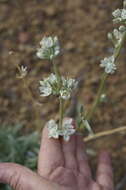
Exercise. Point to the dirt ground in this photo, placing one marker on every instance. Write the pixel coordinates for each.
(82, 27)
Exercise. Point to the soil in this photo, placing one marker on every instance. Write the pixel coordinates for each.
(82, 27)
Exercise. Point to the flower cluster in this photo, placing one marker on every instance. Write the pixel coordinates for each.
(46, 85)
(50, 85)
(66, 131)
(49, 48)
(117, 35)
(108, 64)
(119, 16)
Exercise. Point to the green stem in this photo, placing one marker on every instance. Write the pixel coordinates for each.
(61, 113)
(57, 73)
(117, 51)
(97, 99)
(61, 106)
(103, 80)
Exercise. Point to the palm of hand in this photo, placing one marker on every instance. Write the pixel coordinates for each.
(61, 166)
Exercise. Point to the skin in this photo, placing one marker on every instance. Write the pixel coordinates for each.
(61, 166)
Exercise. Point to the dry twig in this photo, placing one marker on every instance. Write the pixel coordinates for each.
(105, 133)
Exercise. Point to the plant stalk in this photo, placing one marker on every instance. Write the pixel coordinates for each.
(103, 80)
(61, 113)
(57, 73)
(61, 106)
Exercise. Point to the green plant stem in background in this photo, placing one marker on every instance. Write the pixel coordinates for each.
(97, 99)
(103, 80)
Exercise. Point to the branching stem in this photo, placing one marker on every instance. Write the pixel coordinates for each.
(103, 80)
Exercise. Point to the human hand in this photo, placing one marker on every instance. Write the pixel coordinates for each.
(61, 166)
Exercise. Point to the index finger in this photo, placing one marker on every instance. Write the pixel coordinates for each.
(82, 158)
(50, 155)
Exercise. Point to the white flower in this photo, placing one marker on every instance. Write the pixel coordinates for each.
(122, 28)
(119, 15)
(46, 42)
(68, 86)
(72, 83)
(50, 85)
(42, 54)
(69, 82)
(45, 88)
(49, 48)
(56, 46)
(52, 78)
(110, 68)
(53, 129)
(123, 14)
(108, 64)
(65, 94)
(110, 36)
(66, 131)
(118, 37)
(46, 85)
(116, 13)
(23, 72)
(117, 34)
(67, 128)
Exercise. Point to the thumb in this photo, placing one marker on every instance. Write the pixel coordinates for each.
(18, 177)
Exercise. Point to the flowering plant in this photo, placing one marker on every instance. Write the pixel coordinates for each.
(63, 87)
(56, 85)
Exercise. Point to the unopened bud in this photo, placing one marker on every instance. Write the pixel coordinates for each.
(110, 36)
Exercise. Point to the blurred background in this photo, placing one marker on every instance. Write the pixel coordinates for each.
(82, 28)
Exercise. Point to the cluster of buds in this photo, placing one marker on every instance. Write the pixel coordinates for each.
(117, 35)
(50, 85)
(66, 131)
(103, 98)
(119, 16)
(49, 48)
